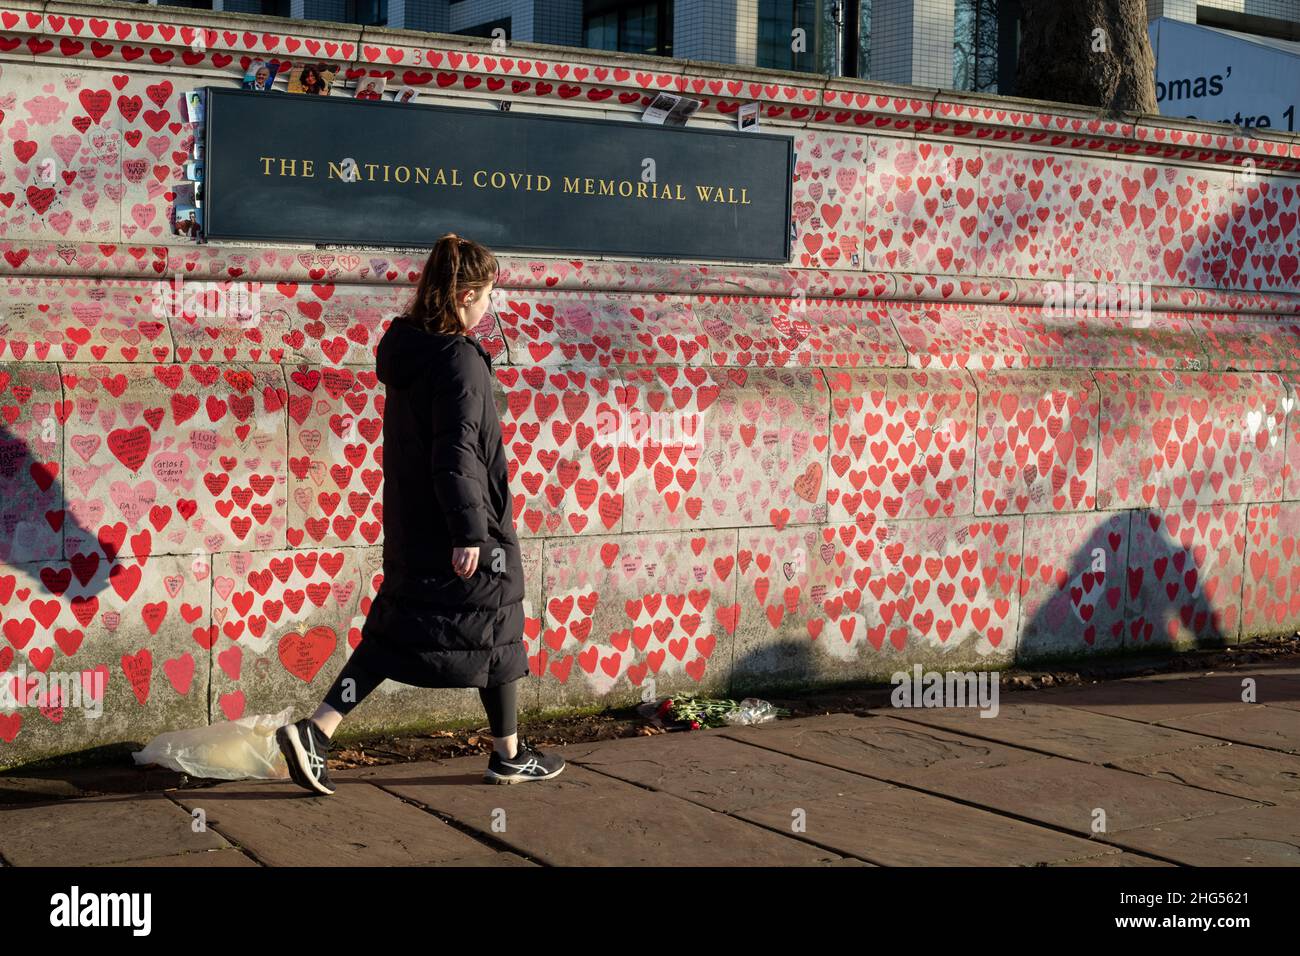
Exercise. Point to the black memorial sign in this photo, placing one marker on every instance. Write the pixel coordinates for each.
(327, 169)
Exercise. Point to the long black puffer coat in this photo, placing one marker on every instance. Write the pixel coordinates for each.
(446, 485)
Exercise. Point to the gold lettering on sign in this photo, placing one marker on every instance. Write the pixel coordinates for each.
(282, 166)
(717, 194)
(528, 182)
(587, 186)
(345, 170)
(349, 170)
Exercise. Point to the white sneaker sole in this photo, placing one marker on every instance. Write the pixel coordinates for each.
(491, 776)
(299, 755)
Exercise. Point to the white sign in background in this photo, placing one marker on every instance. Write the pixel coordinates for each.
(1208, 74)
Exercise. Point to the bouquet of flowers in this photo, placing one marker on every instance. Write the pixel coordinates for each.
(689, 712)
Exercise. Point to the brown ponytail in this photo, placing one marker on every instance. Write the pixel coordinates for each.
(455, 265)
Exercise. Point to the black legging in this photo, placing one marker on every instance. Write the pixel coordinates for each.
(501, 702)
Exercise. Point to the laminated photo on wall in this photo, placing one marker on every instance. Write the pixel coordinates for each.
(405, 94)
(260, 75)
(747, 117)
(371, 87)
(188, 222)
(194, 106)
(194, 170)
(313, 79)
(669, 109)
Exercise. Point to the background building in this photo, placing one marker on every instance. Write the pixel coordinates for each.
(949, 44)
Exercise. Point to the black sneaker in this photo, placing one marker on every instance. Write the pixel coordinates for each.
(306, 748)
(527, 764)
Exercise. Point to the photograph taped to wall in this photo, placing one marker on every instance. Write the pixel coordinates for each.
(313, 79)
(194, 106)
(371, 87)
(189, 221)
(260, 75)
(670, 110)
(747, 117)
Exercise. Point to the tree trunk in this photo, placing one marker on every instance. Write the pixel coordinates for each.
(1089, 52)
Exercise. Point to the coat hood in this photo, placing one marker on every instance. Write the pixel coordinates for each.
(405, 352)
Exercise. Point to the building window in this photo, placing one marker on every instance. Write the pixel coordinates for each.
(855, 49)
(780, 48)
(373, 13)
(1276, 27)
(645, 28)
(601, 33)
(863, 46)
(975, 46)
(485, 29)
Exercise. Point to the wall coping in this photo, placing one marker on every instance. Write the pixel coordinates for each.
(135, 34)
(587, 79)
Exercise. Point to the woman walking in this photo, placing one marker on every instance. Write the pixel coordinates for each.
(449, 612)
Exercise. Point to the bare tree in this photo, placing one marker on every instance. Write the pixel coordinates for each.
(1089, 52)
(975, 46)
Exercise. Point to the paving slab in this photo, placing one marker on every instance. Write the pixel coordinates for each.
(280, 824)
(1065, 794)
(900, 827)
(1275, 728)
(1149, 700)
(1114, 859)
(1236, 769)
(1261, 836)
(884, 748)
(725, 775)
(1059, 731)
(201, 858)
(1281, 690)
(841, 810)
(584, 818)
(106, 829)
(503, 858)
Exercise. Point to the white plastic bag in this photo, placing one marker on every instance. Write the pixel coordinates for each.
(231, 750)
(752, 711)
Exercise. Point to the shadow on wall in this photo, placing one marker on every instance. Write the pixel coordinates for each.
(34, 504)
(1132, 586)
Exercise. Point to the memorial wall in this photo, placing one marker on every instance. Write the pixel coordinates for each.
(1023, 385)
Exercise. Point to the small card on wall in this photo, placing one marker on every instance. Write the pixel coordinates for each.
(194, 106)
(260, 75)
(371, 87)
(188, 221)
(747, 117)
(314, 79)
(669, 109)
